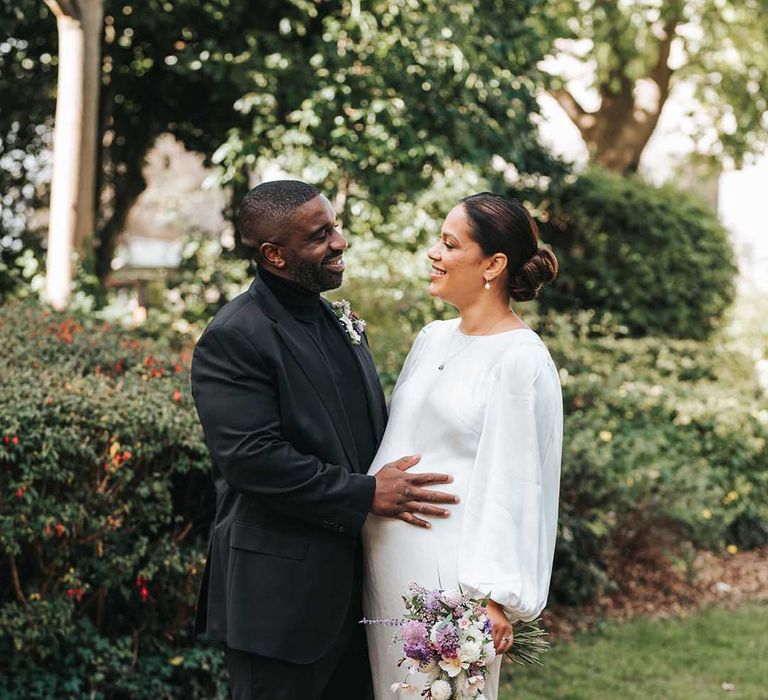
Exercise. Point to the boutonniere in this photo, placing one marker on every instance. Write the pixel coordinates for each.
(353, 326)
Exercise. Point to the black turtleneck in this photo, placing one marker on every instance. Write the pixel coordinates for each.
(326, 332)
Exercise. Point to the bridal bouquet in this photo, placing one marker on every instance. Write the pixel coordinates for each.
(446, 635)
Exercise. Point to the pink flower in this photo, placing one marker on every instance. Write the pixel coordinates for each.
(414, 632)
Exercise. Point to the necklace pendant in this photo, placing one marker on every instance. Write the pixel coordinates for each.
(442, 365)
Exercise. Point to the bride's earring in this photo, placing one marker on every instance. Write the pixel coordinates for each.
(487, 284)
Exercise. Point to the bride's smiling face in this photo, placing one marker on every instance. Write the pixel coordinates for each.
(457, 260)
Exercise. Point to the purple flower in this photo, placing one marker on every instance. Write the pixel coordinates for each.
(487, 626)
(414, 632)
(416, 591)
(419, 651)
(445, 637)
(415, 641)
(433, 602)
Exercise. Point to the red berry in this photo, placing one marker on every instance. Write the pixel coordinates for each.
(126, 455)
(144, 593)
(19, 493)
(177, 395)
(59, 529)
(6, 439)
(15, 439)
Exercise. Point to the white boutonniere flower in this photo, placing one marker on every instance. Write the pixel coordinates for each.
(353, 326)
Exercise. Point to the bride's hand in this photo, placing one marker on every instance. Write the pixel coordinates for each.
(501, 629)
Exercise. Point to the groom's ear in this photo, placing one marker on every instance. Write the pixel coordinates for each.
(496, 266)
(272, 254)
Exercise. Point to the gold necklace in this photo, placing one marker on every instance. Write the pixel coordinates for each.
(447, 359)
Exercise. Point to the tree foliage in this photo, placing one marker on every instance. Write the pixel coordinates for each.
(369, 100)
(372, 100)
(26, 117)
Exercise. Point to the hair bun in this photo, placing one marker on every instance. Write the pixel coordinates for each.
(538, 270)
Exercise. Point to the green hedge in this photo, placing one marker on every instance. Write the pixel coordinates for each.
(106, 499)
(653, 258)
(105, 507)
(664, 452)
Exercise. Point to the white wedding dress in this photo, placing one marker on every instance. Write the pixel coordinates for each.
(493, 419)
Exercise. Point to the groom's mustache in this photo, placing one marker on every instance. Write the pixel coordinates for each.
(333, 257)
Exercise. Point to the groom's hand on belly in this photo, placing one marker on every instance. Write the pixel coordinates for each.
(400, 494)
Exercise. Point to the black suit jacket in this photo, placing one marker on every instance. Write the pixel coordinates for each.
(291, 494)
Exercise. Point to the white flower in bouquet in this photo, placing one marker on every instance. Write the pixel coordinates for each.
(476, 684)
(441, 690)
(453, 666)
(489, 653)
(405, 687)
(470, 650)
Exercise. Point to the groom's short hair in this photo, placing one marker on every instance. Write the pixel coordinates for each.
(268, 207)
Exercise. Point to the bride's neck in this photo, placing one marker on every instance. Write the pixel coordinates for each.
(478, 316)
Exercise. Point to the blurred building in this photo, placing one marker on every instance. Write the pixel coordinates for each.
(182, 197)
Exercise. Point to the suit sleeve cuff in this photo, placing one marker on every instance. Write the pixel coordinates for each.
(365, 488)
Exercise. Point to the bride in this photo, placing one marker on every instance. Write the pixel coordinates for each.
(478, 398)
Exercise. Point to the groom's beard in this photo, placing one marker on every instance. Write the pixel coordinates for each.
(312, 276)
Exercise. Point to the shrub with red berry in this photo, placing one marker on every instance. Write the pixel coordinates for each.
(105, 504)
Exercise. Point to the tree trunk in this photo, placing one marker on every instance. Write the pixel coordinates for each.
(127, 188)
(73, 203)
(618, 132)
(621, 132)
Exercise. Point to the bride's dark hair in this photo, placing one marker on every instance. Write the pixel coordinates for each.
(501, 224)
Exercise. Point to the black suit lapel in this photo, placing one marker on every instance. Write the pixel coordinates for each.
(312, 363)
(373, 394)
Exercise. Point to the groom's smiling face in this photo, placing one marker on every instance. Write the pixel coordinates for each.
(313, 247)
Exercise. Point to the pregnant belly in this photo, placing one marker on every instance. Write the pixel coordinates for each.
(397, 553)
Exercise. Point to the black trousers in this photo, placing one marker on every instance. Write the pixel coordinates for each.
(343, 673)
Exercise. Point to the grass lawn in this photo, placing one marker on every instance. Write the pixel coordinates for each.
(684, 659)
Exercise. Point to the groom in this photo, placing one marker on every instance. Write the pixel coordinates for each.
(293, 412)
